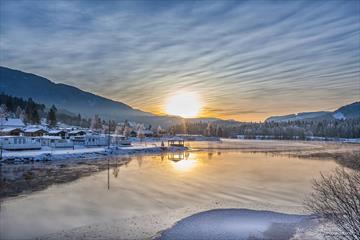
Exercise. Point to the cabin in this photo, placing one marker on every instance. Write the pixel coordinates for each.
(133, 133)
(58, 133)
(11, 123)
(78, 140)
(96, 140)
(120, 140)
(19, 143)
(148, 133)
(34, 132)
(77, 133)
(176, 142)
(11, 131)
(56, 142)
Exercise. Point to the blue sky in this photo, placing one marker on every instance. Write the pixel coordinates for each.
(245, 59)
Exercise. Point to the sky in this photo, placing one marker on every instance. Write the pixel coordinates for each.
(246, 60)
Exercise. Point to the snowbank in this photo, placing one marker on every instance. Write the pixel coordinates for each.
(228, 224)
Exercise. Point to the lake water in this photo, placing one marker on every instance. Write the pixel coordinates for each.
(162, 185)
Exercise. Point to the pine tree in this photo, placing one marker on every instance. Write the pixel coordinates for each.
(3, 111)
(35, 116)
(52, 116)
(78, 119)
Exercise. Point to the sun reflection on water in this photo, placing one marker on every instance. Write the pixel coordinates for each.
(185, 165)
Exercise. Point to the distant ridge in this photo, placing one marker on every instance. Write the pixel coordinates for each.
(74, 100)
(25, 85)
(346, 112)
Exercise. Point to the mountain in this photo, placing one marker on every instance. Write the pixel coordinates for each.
(72, 99)
(346, 112)
(298, 116)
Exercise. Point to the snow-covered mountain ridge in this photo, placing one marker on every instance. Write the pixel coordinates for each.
(346, 112)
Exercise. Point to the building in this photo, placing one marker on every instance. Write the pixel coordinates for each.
(74, 133)
(11, 131)
(34, 132)
(58, 133)
(19, 143)
(56, 142)
(120, 140)
(176, 142)
(11, 123)
(148, 133)
(96, 140)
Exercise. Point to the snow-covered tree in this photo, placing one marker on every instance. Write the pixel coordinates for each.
(126, 131)
(3, 111)
(119, 129)
(140, 131)
(22, 116)
(51, 118)
(18, 111)
(96, 123)
(159, 130)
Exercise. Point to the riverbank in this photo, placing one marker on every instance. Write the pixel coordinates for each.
(48, 154)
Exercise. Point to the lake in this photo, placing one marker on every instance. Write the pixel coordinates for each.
(151, 193)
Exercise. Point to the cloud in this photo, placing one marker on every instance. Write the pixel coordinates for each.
(274, 57)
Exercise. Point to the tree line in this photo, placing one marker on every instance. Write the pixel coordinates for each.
(349, 128)
(31, 112)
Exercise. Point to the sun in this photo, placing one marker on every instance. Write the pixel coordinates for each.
(183, 104)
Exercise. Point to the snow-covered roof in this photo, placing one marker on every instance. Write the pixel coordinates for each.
(77, 131)
(147, 132)
(51, 137)
(176, 139)
(32, 130)
(117, 135)
(56, 131)
(9, 129)
(11, 122)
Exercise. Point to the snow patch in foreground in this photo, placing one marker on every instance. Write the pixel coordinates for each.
(228, 224)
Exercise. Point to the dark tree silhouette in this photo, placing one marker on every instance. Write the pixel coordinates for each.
(52, 116)
(336, 198)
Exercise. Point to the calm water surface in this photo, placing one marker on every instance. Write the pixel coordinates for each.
(158, 184)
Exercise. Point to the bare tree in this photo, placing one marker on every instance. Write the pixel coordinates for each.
(336, 198)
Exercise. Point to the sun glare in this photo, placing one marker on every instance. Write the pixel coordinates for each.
(184, 104)
(184, 165)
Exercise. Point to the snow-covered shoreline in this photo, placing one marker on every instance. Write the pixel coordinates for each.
(83, 153)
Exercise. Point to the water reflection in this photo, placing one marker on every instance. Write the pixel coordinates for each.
(156, 184)
(176, 156)
(185, 165)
